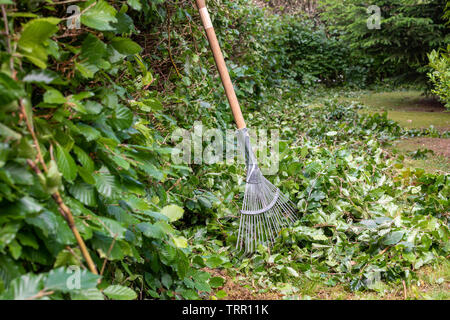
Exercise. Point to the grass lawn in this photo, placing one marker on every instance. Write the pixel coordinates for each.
(409, 108)
(412, 110)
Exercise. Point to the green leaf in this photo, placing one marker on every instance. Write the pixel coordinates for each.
(90, 133)
(105, 184)
(27, 239)
(33, 39)
(135, 4)
(122, 117)
(113, 228)
(9, 90)
(166, 280)
(52, 226)
(151, 230)
(173, 212)
(152, 170)
(53, 178)
(15, 249)
(393, 238)
(84, 159)
(125, 46)
(180, 242)
(100, 16)
(66, 164)
(221, 294)
(216, 282)
(66, 258)
(24, 207)
(8, 233)
(214, 262)
(25, 287)
(118, 292)
(85, 193)
(68, 279)
(41, 76)
(86, 175)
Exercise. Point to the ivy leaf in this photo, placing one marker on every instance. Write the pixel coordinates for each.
(118, 292)
(393, 238)
(66, 164)
(173, 212)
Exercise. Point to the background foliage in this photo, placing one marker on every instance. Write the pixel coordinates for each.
(87, 113)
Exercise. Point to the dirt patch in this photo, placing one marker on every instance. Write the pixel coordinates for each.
(424, 105)
(438, 145)
(236, 291)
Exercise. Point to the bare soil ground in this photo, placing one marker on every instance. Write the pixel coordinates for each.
(438, 145)
(237, 291)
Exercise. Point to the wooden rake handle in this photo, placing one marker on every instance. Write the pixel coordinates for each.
(221, 66)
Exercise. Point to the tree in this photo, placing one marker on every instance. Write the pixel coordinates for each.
(408, 31)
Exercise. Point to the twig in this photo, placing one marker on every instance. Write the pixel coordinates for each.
(67, 214)
(68, 1)
(107, 255)
(40, 294)
(75, 256)
(174, 185)
(168, 40)
(324, 225)
(79, 14)
(8, 41)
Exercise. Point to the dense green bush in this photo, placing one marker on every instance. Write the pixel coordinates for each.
(409, 30)
(440, 74)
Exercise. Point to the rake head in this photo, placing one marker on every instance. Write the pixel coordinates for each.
(265, 210)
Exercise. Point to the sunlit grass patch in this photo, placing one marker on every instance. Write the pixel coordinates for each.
(409, 108)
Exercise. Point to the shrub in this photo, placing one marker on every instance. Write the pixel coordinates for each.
(440, 74)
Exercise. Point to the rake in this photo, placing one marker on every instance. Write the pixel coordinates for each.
(265, 210)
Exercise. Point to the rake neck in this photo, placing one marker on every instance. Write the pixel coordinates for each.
(254, 175)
